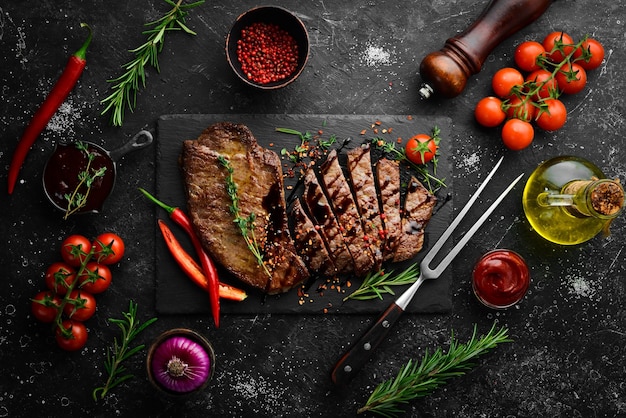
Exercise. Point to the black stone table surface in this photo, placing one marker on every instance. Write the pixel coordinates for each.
(569, 333)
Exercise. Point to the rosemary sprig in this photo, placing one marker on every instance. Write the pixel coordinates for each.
(121, 351)
(127, 84)
(432, 182)
(246, 225)
(376, 284)
(415, 380)
(77, 200)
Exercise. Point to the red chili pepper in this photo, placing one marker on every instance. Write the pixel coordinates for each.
(193, 270)
(208, 267)
(58, 94)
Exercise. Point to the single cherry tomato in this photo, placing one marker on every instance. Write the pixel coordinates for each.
(526, 55)
(74, 249)
(488, 112)
(517, 134)
(590, 54)
(571, 78)
(520, 108)
(59, 277)
(552, 116)
(45, 306)
(96, 278)
(421, 148)
(558, 45)
(109, 248)
(71, 335)
(504, 80)
(80, 306)
(542, 81)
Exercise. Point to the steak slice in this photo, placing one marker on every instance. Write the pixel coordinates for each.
(418, 208)
(258, 175)
(347, 214)
(365, 192)
(309, 243)
(388, 176)
(322, 215)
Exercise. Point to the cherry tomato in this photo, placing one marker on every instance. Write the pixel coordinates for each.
(45, 306)
(59, 277)
(517, 134)
(71, 335)
(590, 54)
(553, 117)
(74, 249)
(421, 148)
(572, 78)
(96, 278)
(526, 55)
(542, 81)
(558, 45)
(109, 248)
(488, 112)
(518, 108)
(504, 80)
(81, 305)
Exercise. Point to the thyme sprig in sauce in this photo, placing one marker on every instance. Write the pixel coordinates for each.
(125, 86)
(376, 284)
(418, 379)
(245, 224)
(86, 178)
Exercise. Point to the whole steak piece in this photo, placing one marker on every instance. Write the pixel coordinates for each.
(258, 174)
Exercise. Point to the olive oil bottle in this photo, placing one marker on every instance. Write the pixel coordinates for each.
(568, 200)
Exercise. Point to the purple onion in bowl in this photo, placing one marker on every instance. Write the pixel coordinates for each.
(180, 362)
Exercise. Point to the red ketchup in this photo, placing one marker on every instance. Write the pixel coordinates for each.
(500, 279)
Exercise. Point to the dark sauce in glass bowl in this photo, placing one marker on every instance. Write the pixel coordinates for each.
(500, 278)
(61, 176)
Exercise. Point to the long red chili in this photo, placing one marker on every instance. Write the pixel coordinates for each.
(193, 270)
(58, 94)
(178, 216)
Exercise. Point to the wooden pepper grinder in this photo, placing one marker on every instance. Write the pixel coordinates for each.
(446, 71)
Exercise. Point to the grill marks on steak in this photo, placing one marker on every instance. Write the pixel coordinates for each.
(364, 187)
(310, 244)
(258, 174)
(418, 208)
(322, 214)
(347, 214)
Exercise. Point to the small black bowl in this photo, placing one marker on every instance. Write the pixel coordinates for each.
(269, 15)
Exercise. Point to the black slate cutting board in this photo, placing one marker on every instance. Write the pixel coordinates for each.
(176, 294)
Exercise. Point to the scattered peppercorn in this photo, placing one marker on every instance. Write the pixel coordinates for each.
(267, 53)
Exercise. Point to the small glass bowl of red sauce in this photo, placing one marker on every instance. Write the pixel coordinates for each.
(500, 278)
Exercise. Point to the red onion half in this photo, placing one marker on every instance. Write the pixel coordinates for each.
(180, 361)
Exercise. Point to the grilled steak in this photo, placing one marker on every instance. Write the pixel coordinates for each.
(388, 176)
(364, 187)
(258, 175)
(322, 215)
(309, 243)
(418, 208)
(345, 209)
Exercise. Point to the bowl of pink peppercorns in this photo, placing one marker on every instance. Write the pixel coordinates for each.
(267, 47)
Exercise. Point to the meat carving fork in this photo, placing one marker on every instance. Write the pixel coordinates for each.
(356, 357)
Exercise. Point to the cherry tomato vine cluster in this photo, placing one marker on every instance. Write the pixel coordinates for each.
(553, 67)
(71, 284)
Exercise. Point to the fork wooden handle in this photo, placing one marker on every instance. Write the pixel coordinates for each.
(356, 357)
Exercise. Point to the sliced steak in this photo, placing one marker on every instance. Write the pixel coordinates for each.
(365, 192)
(418, 208)
(322, 215)
(345, 209)
(309, 243)
(388, 176)
(258, 174)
